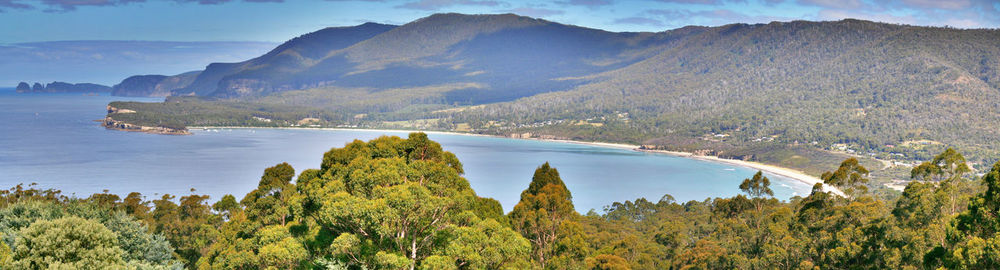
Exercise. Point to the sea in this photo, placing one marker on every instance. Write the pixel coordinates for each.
(53, 141)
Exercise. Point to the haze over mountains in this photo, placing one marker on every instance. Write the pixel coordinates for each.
(106, 62)
(873, 85)
(503, 57)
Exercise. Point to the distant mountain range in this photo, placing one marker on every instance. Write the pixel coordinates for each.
(874, 86)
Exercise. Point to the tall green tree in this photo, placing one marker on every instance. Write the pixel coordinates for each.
(269, 203)
(949, 164)
(851, 177)
(947, 169)
(757, 187)
(190, 226)
(258, 234)
(136, 206)
(543, 208)
(389, 203)
(977, 242)
(227, 206)
(917, 207)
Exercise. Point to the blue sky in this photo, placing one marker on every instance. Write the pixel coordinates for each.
(280, 20)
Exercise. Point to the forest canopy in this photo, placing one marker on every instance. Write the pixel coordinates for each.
(395, 203)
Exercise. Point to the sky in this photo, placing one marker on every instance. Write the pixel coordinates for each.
(280, 20)
(108, 62)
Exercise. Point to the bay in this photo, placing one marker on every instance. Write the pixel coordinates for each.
(53, 140)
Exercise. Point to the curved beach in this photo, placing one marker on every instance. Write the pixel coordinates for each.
(776, 170)
(772, 169)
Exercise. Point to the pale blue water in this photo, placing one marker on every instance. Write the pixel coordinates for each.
(51, 139)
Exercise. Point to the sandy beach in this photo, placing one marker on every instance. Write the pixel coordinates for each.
(782, 171)
(776, 170)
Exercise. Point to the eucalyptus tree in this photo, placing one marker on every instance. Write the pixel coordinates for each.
(258, 234)
(850, 176)
(757, 187)
(947, 170)
(396, 203)
(269, 203)
(545, 206)
(976, 230)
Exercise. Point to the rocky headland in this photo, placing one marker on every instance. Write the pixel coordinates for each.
(111, 123)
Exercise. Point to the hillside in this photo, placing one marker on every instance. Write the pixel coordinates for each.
(892, 91)
(153, 85)
(290, 57)
(870, 85)
(507, 56)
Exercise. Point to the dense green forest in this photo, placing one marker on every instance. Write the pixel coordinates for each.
(394, 203)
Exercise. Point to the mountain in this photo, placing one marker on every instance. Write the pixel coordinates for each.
(288, 57)
(153, 85)
(62, 87)
(874, 88)
(504, 56)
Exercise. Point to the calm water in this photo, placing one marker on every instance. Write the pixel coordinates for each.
(51, 139)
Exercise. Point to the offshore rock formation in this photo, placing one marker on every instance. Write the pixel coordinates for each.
(23, 87)
(62, 87)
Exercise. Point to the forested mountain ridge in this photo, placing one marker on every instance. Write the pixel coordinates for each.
(287, 57)
(153, 85)
(506, 56)
(869, 87)
(856, 82)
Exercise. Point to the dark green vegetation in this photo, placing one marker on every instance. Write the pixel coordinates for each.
(394, 203)
(42, 229)
(774, 92)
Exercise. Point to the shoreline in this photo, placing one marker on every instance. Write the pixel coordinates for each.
(772, 169)
(112, 124)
